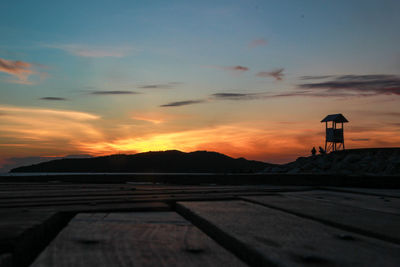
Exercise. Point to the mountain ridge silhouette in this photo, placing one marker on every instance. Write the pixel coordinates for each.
(170, 161)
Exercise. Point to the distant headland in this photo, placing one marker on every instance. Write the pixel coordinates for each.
(171, 161)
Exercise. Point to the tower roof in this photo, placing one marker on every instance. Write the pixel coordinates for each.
(335, 117)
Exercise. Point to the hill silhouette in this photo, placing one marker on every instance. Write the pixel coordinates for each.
(171, 161)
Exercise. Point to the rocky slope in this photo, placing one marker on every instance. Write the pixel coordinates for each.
(373, 161)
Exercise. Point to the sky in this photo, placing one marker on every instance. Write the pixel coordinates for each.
(245, 78)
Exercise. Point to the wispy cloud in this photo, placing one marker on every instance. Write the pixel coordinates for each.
(341, 86)
(234, 69)
(216, 97)
(114, 93)
(258, 42)
(40, 129)
(94, 51)
(183, 103)
(362, 85)
(277, 74)
(51, 98)
(160, 86)
(236, 96)
(77, 115)
(154, 120)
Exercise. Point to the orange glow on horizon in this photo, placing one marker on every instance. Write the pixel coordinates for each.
(46, 132)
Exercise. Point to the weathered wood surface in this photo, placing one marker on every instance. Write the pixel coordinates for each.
(373, 223)
(263, 236)
(377, 203)
(6, 260)
(133, 239)
(367, 212)
(23, 233)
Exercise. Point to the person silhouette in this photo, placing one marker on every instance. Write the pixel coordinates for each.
(322, 151)
(313, 151)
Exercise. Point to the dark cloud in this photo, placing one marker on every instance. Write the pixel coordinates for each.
(150, 86)
(362, 85)
(160, 86)
(235, 96)
(51, 98)
(320, 77)
(360, 139)
(183, 103)
(277, 74)
(235, 69)
(370, 77)
(114, 93)
(341, 86)
(238, 68)
(258, 42)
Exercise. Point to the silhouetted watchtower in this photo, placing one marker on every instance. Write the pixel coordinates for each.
(334, 135)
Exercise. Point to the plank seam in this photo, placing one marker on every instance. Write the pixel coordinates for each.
(237, 247)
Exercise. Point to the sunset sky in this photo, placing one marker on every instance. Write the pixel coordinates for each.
(245, 78)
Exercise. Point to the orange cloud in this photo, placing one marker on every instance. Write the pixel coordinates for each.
(19, 69)
(41, 129)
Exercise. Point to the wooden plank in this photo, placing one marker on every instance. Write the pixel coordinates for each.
(377, 203)
(61, 186)
(73, 191)
(24, 234)
(133, 239)
(127, 197)
(366, 191)
(369, 222)
(117, 207)
(48, 202)
(263, 236)
(73, 194)
(6, 260)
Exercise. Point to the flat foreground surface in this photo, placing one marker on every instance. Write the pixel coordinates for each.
(70, 224)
